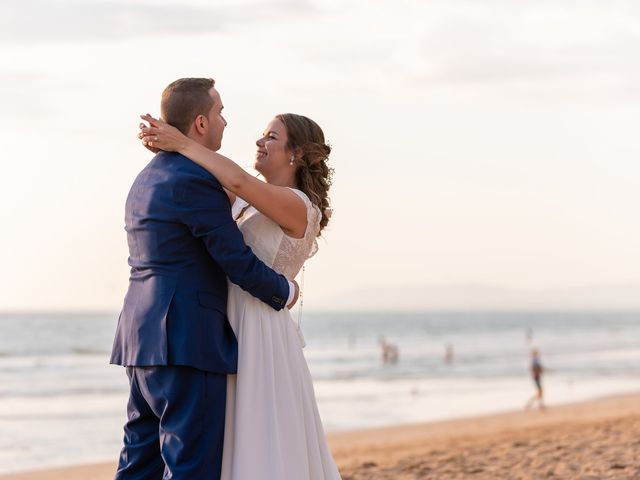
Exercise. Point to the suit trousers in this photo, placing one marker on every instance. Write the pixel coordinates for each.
(175, 427)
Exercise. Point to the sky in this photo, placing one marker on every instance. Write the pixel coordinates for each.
(485, 151)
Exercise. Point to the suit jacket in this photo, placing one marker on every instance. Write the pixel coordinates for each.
(183, 244)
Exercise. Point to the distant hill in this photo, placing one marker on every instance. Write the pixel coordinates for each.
(478, 297)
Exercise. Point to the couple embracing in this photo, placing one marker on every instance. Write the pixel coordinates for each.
(219, 386)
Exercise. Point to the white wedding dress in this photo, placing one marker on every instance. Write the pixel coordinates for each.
(273, 429)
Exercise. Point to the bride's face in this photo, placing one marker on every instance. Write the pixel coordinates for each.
(272, 154)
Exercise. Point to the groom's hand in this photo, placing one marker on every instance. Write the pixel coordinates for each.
(295, 296)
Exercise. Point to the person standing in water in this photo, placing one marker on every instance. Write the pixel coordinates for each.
(536, 373)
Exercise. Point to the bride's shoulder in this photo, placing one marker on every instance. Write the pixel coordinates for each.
(311, 207)
(302, 195)
(313, 211)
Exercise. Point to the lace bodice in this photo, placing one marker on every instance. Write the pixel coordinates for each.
(284, 254)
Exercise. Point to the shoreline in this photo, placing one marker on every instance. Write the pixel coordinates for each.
(597, 436)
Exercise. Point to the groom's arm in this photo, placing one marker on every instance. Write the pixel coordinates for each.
(205, 210)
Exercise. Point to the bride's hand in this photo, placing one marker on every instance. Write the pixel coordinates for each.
(159, 135)
(145, 145)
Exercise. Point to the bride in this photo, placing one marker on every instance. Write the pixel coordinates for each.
(273, 429)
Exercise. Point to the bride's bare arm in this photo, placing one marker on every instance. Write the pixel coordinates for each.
(280, 204)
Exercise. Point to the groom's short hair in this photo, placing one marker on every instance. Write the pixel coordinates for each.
(185, 99)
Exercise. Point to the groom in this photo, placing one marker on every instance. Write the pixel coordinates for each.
(173, 335)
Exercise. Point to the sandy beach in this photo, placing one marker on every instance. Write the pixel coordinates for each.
(593, 440)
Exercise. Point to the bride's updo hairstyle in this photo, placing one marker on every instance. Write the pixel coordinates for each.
(313, 175)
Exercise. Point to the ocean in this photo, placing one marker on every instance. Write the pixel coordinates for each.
(62, 403)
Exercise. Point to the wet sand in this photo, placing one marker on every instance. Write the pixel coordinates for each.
(593, 440)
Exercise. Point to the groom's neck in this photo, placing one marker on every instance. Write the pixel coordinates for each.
(199, 139)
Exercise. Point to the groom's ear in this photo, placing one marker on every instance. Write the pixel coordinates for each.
(201, 123)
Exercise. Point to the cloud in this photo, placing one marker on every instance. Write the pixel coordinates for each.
(548, 47)
(44, 21)
(537, 45)
(544, 47)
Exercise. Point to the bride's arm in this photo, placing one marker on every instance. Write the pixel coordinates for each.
(280, 204)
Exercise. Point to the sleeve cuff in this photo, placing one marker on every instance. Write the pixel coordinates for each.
(292, 292)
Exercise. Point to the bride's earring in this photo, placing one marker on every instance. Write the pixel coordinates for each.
(292, 159)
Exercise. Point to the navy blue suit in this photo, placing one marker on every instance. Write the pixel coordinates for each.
(173, 334)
